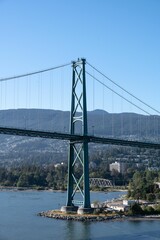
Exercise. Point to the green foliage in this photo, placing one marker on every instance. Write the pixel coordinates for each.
(142, 186)
(150, 197)
(35, 177)
(157, 208)
(135, 209)
(149, 210)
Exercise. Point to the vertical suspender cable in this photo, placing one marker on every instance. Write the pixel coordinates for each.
(146, 127)
(93, 91)
(29, 99)
(41, 99)
(122, 115)
(51, 99)
(130, 119)
(1, 96)
(17, 121)
(5, 104)
(62, 102)
(138, 127)
(14, 102)
(27, 110)
(38, 106)
(112, 114)
(104, 110)
(93, 100)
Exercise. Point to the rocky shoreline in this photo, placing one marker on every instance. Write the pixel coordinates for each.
(93, 217)
(76, 217)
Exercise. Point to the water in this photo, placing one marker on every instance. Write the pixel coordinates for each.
(18, 220)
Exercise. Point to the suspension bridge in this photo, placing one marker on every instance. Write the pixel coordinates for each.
(77, 135)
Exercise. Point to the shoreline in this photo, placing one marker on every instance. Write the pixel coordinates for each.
(56, 214)
(12, 188)
(3, 188)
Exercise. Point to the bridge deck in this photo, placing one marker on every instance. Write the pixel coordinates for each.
(77, 138)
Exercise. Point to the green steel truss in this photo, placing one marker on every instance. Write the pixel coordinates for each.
(78, 166)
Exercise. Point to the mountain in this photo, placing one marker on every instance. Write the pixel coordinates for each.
(15, 149)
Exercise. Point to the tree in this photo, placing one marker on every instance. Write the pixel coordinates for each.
(23, 181)
(142, 186)
(150, 197)
(136, 209)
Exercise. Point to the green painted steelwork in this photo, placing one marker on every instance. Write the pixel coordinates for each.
(78, 151)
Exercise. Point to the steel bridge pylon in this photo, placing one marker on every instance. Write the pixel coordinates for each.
(78, 164)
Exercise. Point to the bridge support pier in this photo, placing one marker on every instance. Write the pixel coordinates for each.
(78, 164)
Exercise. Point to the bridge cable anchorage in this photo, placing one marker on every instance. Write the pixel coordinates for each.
(34, 73)
(118, 94)
(132, 95)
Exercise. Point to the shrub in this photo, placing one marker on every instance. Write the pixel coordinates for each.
(136, 209)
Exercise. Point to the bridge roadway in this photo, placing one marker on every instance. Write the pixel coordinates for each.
(76, 138)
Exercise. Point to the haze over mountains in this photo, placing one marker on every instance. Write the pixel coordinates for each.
(100, 123)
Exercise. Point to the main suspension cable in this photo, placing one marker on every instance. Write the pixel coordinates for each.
(138, 99)
(117, 93)
(33, 73)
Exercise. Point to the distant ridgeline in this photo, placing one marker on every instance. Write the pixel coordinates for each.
(100, 123)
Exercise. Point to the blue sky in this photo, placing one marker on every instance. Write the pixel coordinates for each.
(119, 37)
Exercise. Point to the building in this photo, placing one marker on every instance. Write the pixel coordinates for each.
(127, 202)
(117, 206)
(118, 166)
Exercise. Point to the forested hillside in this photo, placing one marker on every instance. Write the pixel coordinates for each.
(100, 123)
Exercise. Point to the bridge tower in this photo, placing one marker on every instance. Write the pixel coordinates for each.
(78, 150)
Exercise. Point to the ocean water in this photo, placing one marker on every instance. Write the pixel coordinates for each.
(19, 220)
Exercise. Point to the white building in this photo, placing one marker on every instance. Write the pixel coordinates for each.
(117, 206)
(127, 202)
(118, 166)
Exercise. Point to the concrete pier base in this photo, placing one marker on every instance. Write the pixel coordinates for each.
(75, 209)
(69, 209)
(82, 210)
